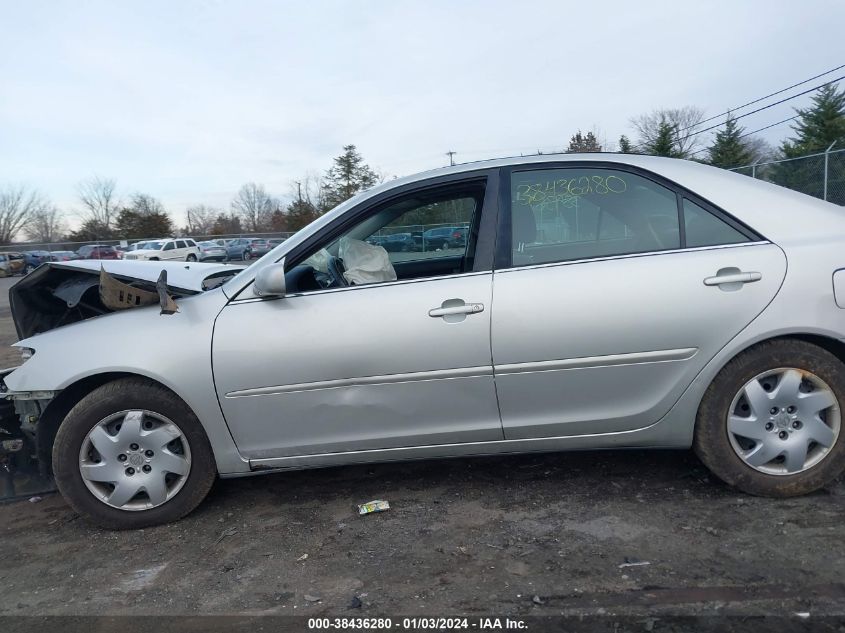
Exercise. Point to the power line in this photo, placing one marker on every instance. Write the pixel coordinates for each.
(800, 83)
(792, 118)
(771, 105)
(766, 107)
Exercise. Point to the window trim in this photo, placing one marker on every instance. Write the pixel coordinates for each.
(504, 250)
(489, 209)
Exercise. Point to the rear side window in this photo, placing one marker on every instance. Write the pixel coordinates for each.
(190, 243)
(580, 213)
(705, 229)
(180, 244)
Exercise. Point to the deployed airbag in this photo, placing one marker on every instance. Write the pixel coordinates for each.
(365, 263)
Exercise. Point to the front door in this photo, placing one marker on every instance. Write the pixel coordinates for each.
(608, 310)
(371, 348)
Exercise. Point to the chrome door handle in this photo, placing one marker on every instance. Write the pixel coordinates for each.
(467, 308)
(738, 277)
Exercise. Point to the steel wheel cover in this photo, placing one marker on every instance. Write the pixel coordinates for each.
(135, 460)
(784, 421)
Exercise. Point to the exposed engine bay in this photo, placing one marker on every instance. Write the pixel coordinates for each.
(61, 293)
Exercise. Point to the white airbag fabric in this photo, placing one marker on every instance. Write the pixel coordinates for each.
(365, 263)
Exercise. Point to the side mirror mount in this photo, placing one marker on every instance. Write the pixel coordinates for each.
(270, 281)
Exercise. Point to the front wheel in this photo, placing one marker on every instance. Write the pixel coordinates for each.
(770, 423)
(132, 454)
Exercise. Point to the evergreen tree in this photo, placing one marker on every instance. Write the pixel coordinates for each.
(625, 146)
(349, 175)
(583, 143)
(132, 224)
(728, 149)
(817, 127)
(663, 143)
(300, 213)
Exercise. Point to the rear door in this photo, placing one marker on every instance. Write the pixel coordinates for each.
(613, 290)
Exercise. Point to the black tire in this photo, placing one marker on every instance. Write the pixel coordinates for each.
(712, 443)
(154, 259)
(120, 395)
(191, 258)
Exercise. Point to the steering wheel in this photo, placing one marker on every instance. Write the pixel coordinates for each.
(336, 270)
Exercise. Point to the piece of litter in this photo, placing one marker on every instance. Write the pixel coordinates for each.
(537, 600)
(303, 557)
(638, 563)
(803, 614)
(34, 499)
(377, 505)
(311, 598)
(225, 533)
(355, 603)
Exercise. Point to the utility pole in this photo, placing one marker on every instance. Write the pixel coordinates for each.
(299, 191)
(451, 155)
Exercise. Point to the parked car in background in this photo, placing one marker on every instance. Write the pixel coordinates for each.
(182, 249)
(458, 239)
(400, 242)
(211, 251)
(33, 259)
(98, 251)
(439, 238)
(11, 264)
(63, 256)
(244, 248)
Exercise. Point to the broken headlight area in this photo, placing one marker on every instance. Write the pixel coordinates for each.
(21, 470)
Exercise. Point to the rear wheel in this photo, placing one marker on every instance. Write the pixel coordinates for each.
(191, 258)
(771, 421)
(132, 454)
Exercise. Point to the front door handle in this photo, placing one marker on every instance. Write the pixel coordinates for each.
(732, 278)
(467, 308)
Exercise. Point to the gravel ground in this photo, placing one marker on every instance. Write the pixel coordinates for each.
(581, 533)
(621, 533)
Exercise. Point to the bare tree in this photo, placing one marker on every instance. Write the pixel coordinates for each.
(759, 148)
(201, 219)
(46, 224)
(682, 121)
(17, 206)
(100, 200)
(254, 206)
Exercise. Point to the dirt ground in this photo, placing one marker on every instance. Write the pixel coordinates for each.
(622, 533)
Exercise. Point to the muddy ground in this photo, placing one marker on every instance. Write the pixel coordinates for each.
(643, 533)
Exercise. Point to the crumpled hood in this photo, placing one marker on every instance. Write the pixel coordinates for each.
(61, 293)
(180, 275)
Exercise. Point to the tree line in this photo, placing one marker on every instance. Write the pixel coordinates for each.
(106, 215)
(670, 132)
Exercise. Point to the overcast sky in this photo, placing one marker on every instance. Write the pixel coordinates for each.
(188, 100)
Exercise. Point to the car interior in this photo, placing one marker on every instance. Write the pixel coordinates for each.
(328, 266)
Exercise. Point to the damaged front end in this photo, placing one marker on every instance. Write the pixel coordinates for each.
(22, 470)
(60, 294)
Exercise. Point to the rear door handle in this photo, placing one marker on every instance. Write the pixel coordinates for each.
(732, 278)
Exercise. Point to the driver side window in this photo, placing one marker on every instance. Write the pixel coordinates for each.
(419, 235)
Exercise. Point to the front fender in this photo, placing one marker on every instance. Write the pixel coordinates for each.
(174, 350)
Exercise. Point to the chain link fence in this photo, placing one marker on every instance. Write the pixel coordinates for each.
(820, 175)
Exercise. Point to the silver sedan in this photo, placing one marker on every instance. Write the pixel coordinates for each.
(600, 301)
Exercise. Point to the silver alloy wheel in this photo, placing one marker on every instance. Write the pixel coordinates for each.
(784, 421)
(135, 460)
